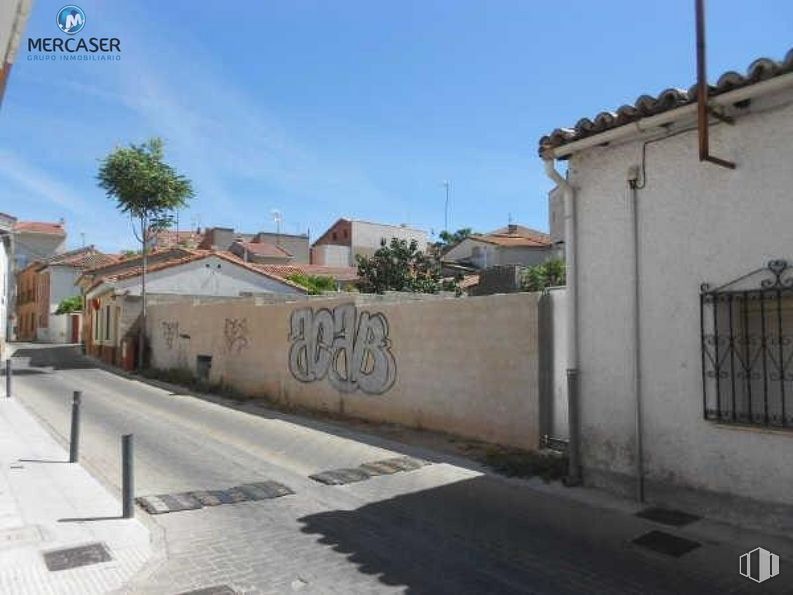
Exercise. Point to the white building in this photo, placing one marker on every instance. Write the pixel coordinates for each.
(6, 278)
(673, 404)
(56, 278)
(113, 302)
(347, 238)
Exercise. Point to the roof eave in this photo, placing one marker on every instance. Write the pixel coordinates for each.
(652, 123)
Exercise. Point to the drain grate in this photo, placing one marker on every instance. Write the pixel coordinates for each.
(367, 470)
(74, 557)
(262, 490)
(667, 516)
(666, 543)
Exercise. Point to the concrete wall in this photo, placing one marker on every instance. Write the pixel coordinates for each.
(697, 223)
(467, 366)
(330, 255)
(61, 286)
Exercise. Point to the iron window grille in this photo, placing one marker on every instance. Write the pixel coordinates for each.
(747, 348)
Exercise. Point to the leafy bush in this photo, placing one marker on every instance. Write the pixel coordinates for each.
(551, 273)
(70, 305)
(315, 284)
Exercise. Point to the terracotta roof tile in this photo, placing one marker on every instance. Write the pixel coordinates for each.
(669, 99)
(83, 258)
(55, 229)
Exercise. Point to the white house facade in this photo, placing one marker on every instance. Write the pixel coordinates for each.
(6, 277)
(669, 400)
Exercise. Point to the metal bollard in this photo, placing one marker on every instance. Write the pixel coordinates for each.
(8, 378)
(127, 478)
(74, 442)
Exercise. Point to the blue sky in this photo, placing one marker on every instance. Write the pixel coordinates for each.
(346, 108)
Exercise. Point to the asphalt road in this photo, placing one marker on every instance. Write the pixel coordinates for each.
(439, 529)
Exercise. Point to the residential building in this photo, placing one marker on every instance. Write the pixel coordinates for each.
(113, 293)
(171, 238)
(223, 238)
(260, 252)
(35, 240)
(26, 304)
(511, 245)
(348, 238)
(7, 223)
(680, 331)
(55, 281)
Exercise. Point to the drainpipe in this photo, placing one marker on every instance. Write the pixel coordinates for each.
(573, 451)
(634, 186)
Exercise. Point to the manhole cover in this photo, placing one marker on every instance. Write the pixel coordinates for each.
(73, 557)
(666, 543)
(667, 516)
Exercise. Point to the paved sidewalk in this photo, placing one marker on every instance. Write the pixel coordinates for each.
(39, 492)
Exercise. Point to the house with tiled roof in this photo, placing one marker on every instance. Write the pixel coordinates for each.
(680, 292)
(260, 252)
(510, 245)
(55, 280)
(113, 293)
(37, 240)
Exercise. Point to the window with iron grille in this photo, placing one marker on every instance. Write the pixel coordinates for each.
(747, 348)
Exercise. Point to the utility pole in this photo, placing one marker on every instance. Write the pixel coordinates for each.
(446, 207)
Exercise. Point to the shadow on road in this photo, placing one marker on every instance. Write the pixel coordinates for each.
(58, 357)
(482, 536)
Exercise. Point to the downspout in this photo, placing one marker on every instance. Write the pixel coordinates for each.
(574, 445)
(634, 186)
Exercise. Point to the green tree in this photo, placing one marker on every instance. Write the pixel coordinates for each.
(70, 305)
(447, 240)
(398, 266)
(550, 273)
(148, 190)
(315, 284)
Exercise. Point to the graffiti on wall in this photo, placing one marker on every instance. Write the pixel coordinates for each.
(236, 334)
(349, 348)
(170, 330)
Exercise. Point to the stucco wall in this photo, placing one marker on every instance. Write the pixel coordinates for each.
(5, 269)
(366, 236)
(331, 255)
(697, 223)
(466, 366)
(210, 276)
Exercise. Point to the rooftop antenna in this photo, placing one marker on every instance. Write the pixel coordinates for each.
(704, 111)
(277, 217)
